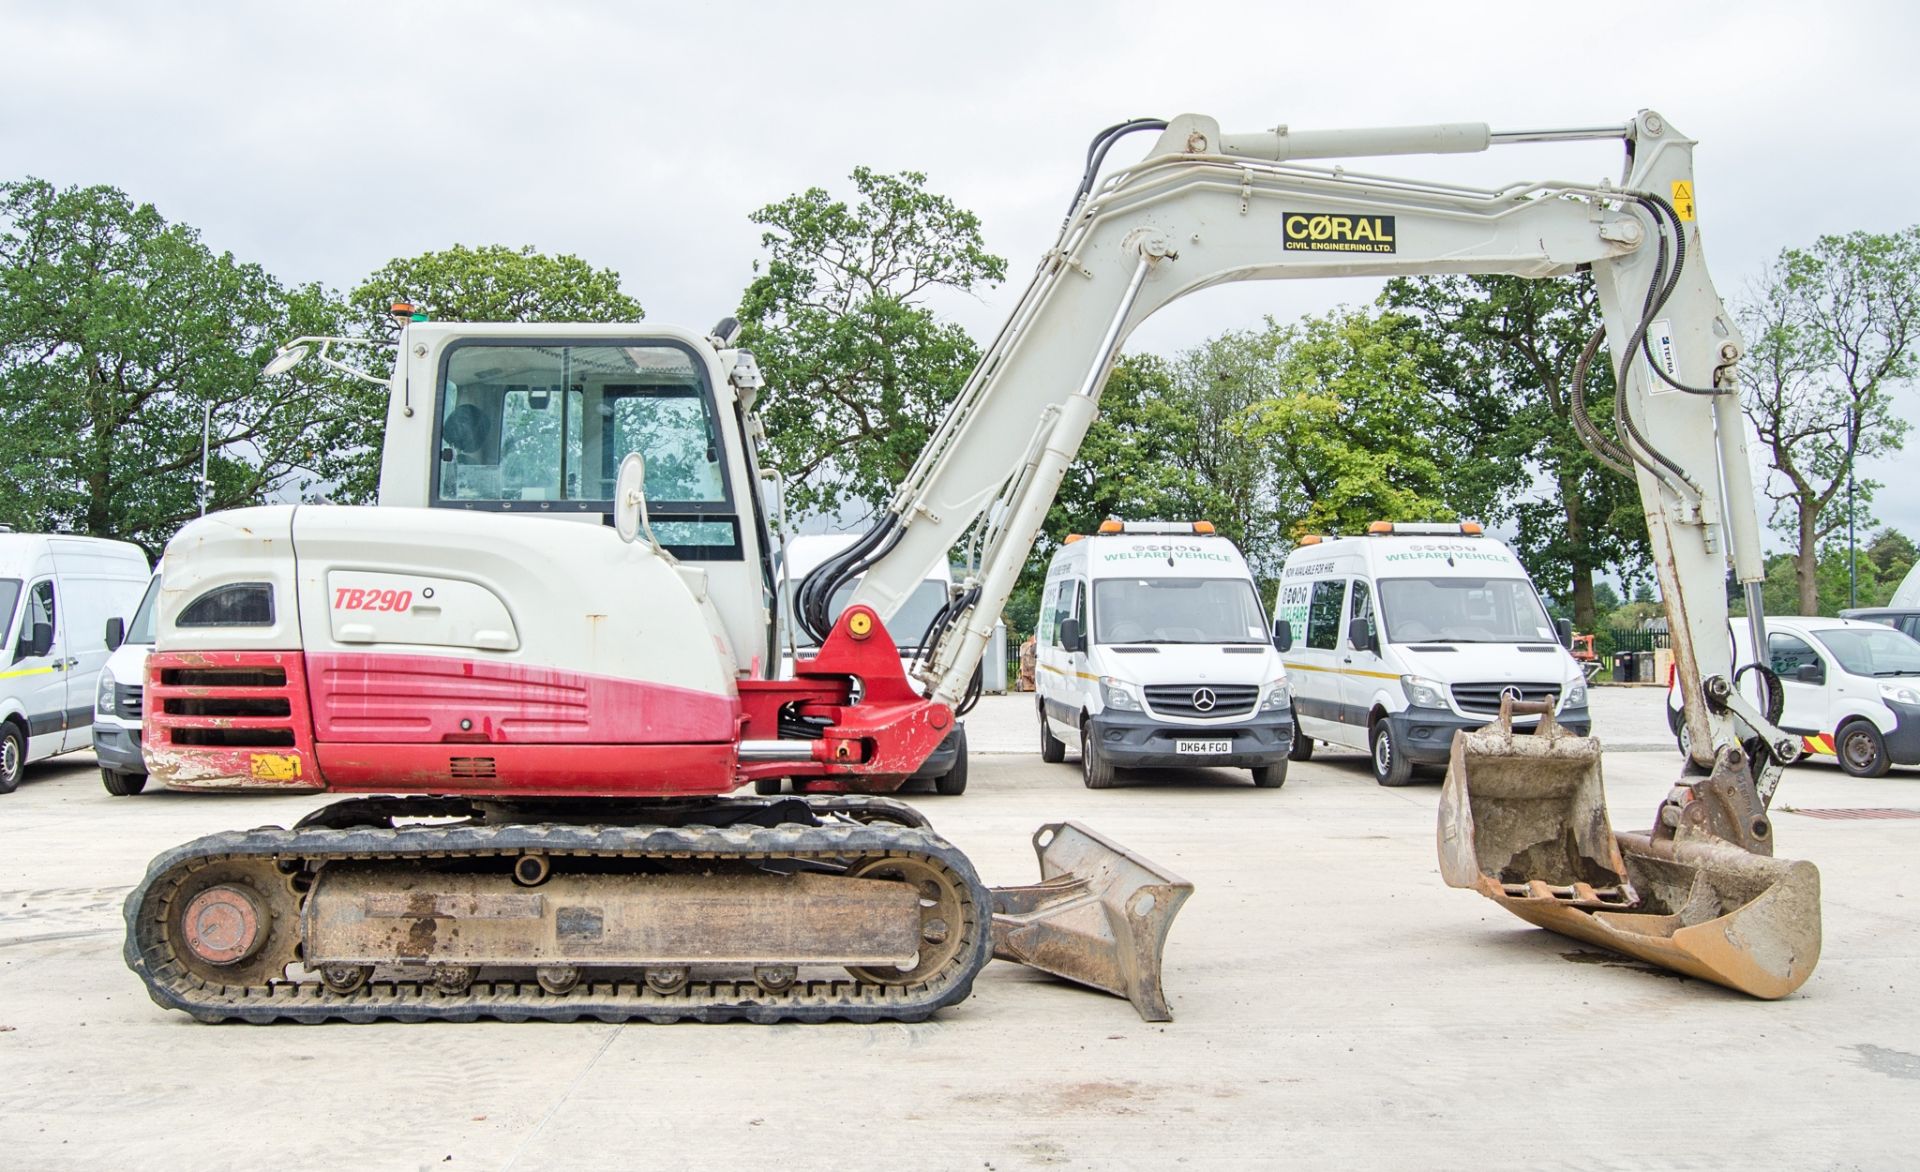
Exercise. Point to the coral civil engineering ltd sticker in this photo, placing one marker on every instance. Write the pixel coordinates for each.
(1337, 232)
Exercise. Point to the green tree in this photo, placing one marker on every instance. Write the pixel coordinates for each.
(1833, 331)
(1137, 460)
(1348, 426)
(119, 333)
(1889, 555)
(492, 283)
(1501, 351)
(859, 370)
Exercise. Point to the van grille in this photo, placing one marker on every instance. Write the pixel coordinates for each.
(1485, 698)
(126, 700)
(1185, 700)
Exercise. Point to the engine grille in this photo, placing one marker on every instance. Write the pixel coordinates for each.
(1485, 698)
(127, 700)
(1180, 700)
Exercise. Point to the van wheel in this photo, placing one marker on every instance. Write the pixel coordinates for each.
(1300, 748)
(13, 757)
(768, 786)
(954, 781)
(1390, 765)
(123, 785)
(1863, 752)
(1095, 769)
(1053, 750)
(1270, 776)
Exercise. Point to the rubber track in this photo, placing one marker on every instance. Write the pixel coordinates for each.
(173, 986)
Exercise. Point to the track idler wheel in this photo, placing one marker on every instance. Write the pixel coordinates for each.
(942, 917)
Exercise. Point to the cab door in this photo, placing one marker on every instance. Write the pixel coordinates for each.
(1361, 666)
(1805, 679)
(1313, 664)
(39, 672)
(1054, 665)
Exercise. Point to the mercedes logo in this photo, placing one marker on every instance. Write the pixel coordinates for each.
(1204, 700)
(1512, 693)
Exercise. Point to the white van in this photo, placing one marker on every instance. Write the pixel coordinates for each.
(947, 766)
(1851, 689)
(1398, 639)
(56, 595)
(117, 704)
(1153, 652)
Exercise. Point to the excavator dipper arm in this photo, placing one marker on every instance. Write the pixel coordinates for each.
(1206, 208)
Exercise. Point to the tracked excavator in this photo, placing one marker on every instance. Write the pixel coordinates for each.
(554, 637)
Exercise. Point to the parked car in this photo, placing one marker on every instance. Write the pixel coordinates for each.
(1398, 639)
(1903, 619)
(117, 706)
(1153, 652)
(56, 595)
(1852, 689)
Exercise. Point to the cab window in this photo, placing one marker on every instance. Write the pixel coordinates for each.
(1789, 653)
(1362, 606)
(39, 613)
(1323, 613)
(544, 428)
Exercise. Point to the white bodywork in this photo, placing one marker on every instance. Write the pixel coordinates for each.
(547, 593)
(128, 662)
(1907, 594)
(1339, 687)
(1125, 652)
(1815, 709)
(51, 696)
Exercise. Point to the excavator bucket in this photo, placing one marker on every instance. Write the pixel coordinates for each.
(1098, 916)
(1523, 821)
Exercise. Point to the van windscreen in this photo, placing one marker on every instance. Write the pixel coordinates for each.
(9, 597)
(141, 629)
(1463, 610)
(1177, 610)
(1878, 651)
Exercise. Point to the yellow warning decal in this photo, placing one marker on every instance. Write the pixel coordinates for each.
(25, 671)
(1683, 198)
(276, 766)
(1817, 744)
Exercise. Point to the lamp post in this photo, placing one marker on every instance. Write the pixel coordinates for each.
(1853, 563)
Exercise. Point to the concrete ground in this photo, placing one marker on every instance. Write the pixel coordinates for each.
(1335, 1003)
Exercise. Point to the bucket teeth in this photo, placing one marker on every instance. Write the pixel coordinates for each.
(1099, 916)
(1523, 821)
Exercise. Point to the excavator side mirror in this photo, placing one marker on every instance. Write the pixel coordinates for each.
(1563, 631)
(1072, 638)
(1282, 635)
(630, 501)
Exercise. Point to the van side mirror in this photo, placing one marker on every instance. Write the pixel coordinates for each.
(1072, 638)
(37, 642)
(1360, 635)
(1563, 631)
(116, 632)
(1811, 673)
(1282, 635)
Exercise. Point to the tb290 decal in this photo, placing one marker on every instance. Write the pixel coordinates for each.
(354, 598)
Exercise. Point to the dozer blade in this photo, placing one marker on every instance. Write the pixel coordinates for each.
(1098, 916)
(1523, 821)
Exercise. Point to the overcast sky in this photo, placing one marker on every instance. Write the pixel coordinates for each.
(323, 139)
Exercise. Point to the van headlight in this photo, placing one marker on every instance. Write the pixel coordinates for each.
(1576, 696)
(1424, 693)
(1278, 695)
(103, 695)
(1900, 693)
(1119, 694)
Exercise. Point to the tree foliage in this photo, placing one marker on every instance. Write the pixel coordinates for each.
(1501, 352)
(118, 332)
(859, 370)
(1833, 330)
(492, 283)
